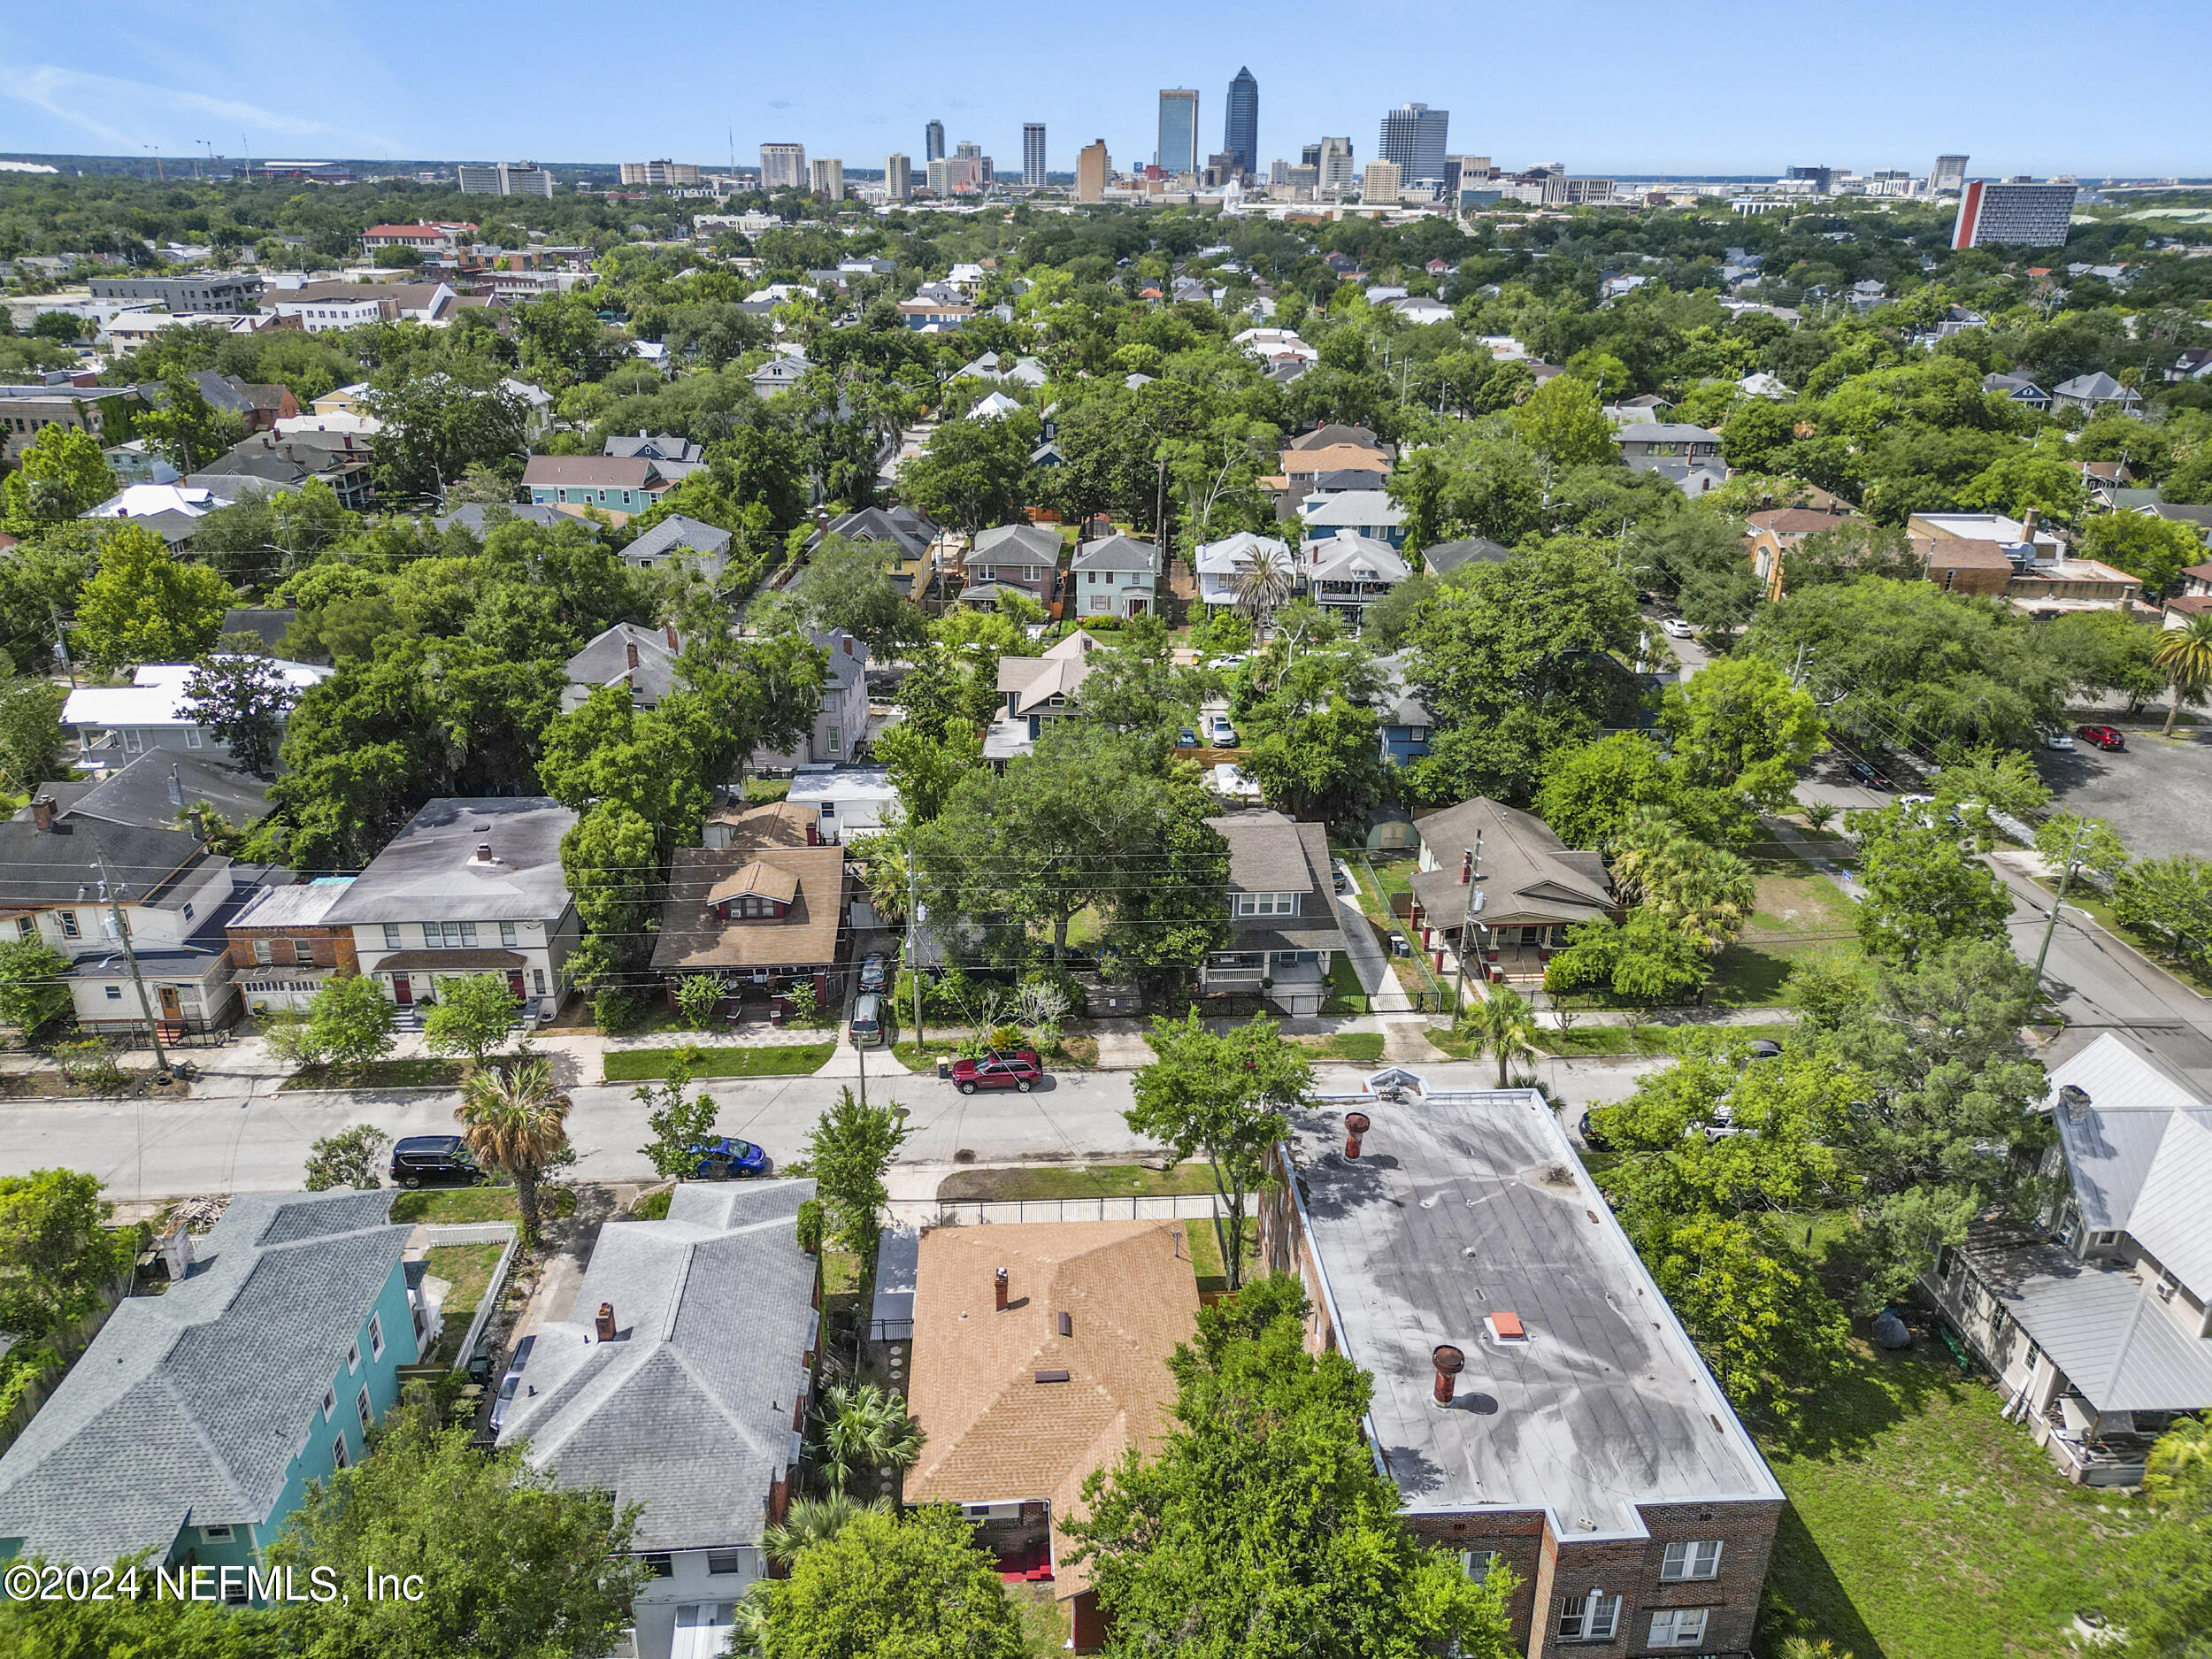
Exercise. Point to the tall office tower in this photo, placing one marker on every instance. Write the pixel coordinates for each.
(1310, 156)
(506, 178)
(1334, 156)
(1241, 130)
(1381, 182)
(933, 143)
(1950, 173)
(2018, 214)
(826, 178)
(783, 167)
(1092, 170)
(1413, 137)
(1033, 153)
(1278, 171)
(898, 178)
(1178, 132)
(659, 174)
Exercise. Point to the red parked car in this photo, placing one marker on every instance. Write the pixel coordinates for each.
(1018, 1069)
(2103, 736)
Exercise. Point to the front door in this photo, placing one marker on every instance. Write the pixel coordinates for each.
(170, 1008)
(402, 990)
(514, 980)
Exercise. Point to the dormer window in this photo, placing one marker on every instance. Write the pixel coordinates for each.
(1267, 905)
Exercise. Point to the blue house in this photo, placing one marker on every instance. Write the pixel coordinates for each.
(1404, 721)
(191, 1426)
(616, 483)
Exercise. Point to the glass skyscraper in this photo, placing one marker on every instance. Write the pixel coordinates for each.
(1178, 132)
(1240, 130)
(934, 142)
(1033, 153)
(1413, 137)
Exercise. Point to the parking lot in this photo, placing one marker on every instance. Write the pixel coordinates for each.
(2157, 793)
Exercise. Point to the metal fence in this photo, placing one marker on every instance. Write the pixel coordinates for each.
(988, 1213)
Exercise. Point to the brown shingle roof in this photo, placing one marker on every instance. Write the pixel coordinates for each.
(1958, 553)
(756, 881)
(693, 939)
(1799, 520)
(995, 1433)
(595, 471)
(775, 824)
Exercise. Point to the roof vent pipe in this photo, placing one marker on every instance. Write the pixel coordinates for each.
(1449, 1363)
(998, 1289)
(1356, 1125)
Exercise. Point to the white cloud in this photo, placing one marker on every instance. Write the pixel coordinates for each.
(82, 99)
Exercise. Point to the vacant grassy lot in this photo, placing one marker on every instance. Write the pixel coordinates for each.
(458, 1204)
(1098, 1180)
(1801, 912)
(468, 1268)
(787, 1059)
(1921, 1526)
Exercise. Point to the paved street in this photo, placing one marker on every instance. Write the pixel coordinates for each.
(226, 1141)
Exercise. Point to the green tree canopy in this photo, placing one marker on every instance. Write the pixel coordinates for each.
(147, 606)
(918, 1587)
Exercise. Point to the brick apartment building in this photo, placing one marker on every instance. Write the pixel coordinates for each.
(1535, 1399)
(282, 951)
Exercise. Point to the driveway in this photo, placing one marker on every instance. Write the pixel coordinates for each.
(2157, 791)
(1384, 994)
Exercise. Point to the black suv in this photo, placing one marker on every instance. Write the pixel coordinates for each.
(433, 1161)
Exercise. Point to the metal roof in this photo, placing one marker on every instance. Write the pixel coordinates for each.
(1471, 1204)
(2111, 1145)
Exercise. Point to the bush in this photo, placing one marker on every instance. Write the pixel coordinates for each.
(697, 996)
(810, 1227)
(652, 1207)
(352, 1157)
(618, 1013)
(89, 1062)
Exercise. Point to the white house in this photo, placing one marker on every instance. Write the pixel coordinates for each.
(846, 801)
(116, 723)
(1367, 513)
(841, 722)
(1220, 564)
(470, 887)
(1115, 576)
(1348, 573)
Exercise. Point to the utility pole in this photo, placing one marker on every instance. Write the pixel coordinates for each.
(913, 963)
(61, 642)
(1467, 923)
(2065, 881)
(130, 956)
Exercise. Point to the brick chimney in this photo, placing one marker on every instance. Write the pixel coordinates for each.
(1355, 1126)
(604, 1326)
(631, 648)
(1449, 1363)
(2028, 522)
(998, 1289)
(673, 644)
(43, 811)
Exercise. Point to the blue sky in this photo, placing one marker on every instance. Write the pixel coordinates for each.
(1618, 86)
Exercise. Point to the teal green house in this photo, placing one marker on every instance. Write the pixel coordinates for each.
(193, 1424)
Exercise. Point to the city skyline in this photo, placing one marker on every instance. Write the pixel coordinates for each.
(367, 96)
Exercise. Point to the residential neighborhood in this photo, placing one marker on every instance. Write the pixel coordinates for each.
(1097, 894)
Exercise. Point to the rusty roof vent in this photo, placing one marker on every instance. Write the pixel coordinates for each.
(1449, 1363)
(1356, 1125)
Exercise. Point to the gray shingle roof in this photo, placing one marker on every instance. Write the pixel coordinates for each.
(429, 868)
(1018, 544)
(688, 1412)
(191, 1406)
(1271, 853)
(1116, 553)
(1444, 558)
(139, 794)
(605, 661)
(1467, 1205)
(1528, 874)
(57, 867)
(677, 531)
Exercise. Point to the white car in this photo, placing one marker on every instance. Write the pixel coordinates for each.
(1224, 735)
(1676, 628)
(2057, 740)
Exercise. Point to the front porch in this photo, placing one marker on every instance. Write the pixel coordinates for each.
(1296, 982)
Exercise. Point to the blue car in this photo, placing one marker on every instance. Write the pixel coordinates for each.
(728, 1159)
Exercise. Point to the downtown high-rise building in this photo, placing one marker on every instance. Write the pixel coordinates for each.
(1332, 159)
(2017, 213)
(1948, 175)
(783, 167)
(1033, 154)
(1413, 137)
(933, 143)
(1092, 168)
(826, 178)
(1240, 127)
(898, 178)
(506, 178)
(1177, 150)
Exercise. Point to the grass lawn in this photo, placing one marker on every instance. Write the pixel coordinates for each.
(420, 1073)
(1044, 1627)
(1581, 1040)
(458, 1204)
(1361, 1048)
(1346, 994)
(1096, 1181)
(840, 1272)
(788, 1059)
(1920, 1526)
(1208, 1240)
(468, 1268)
(1800, 912)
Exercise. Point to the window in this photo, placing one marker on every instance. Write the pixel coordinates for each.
(836, 739)
(353, 1357)
(1591, 1616)
(391, 936)
(1677, 1627)
(364, 1410)
(217, 1534)
(537, 979)
(115, 992)
(432, 939)
(661, 1564)
(376, 1337)
(1419, 733)
(723, 1561)
(1479, 1562)
(330, 1402)
(340, 1458)
(192, 737)
(1267, 905)
(27, 928)
(507, 933)
(68, 924)
(1698, 1558)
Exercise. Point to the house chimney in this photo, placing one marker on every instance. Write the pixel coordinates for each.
(1354, 1126)
(602, 1326)
(848, 645)
(998, 1289)
(482, 855)
(632, 649)
(2076, 1100)
(2028, 521)
(1449, 1363)
(176, 786)
(673, 644)
(43, 811)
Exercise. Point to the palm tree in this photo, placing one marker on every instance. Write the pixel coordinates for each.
(1505, 1023)
(811, 1521)
(866, 1427)
(2183, 655)
(1264, 585)
(1706, 893)
(515, 1120)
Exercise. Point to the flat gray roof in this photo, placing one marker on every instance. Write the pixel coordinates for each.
(1465, 1205)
